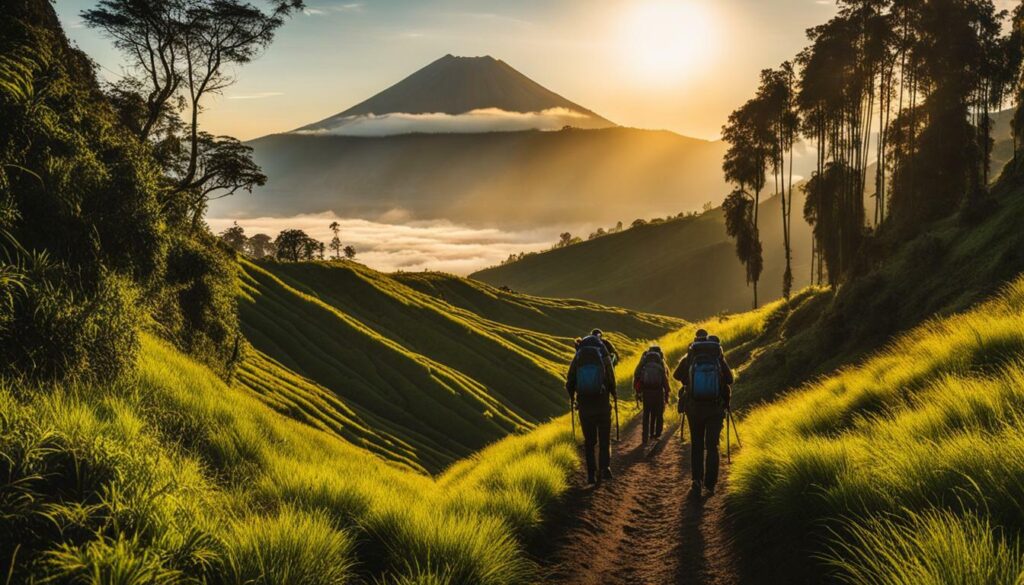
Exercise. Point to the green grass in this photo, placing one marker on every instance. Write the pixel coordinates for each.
(175, 477)
(423, 369)
(906, 469)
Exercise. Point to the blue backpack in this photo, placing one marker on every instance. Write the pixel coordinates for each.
(705, 371)
(590, 370)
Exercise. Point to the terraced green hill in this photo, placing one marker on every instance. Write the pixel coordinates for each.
(423, 369)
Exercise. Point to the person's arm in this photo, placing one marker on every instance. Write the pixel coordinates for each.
(727, 375)
(609, 376)
(611, 351)
(682, 372)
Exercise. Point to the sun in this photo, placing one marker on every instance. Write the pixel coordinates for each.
(667, 41)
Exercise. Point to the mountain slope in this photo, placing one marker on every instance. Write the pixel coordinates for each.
(407, 374)
(685, 267)
(507, 179)
(456, 85)
(905, 469)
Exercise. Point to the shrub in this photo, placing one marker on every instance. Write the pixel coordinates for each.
(59, 329)
(197, 307)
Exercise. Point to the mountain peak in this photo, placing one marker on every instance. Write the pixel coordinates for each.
(456, 85)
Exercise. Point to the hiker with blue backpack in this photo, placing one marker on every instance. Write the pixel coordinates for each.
(705, 397)
(650, 382)
(591, 387)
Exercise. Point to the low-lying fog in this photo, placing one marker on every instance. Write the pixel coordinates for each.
(410, 246)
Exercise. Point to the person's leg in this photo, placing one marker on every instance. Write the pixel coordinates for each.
(696, 446)
(713, 432)
(589, 426)
(647, 419)
(659, 418)
(604, 434)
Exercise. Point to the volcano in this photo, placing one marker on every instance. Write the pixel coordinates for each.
(461, 95)
(473, 141)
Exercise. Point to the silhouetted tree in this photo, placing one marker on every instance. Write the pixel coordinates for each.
(235, 238)
(336, 240)
(261, 246)
(350, 252)
(749, 136)
(179, 52)
(293, 245)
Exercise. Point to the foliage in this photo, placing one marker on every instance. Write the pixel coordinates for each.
(294, 245)
(178, 53)
(918, 78)
(197, 308)
(81, 207)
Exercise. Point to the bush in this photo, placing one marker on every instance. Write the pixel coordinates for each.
(58, 330)
(198, 308)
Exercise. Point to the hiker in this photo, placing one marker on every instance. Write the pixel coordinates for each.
(706, 379)
(591, 386)
(608, 347)
(650, 382)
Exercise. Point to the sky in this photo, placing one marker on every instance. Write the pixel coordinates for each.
(680, 65)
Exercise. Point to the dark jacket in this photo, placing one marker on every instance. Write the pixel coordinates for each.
(682, 373)
(592, 404)
(651, 393)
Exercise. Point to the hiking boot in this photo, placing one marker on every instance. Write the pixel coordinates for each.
(606, 473)
(710, 490)
(695, 490)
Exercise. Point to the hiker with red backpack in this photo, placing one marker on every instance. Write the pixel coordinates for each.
(705, 397)
(650, 382)
(591, 387)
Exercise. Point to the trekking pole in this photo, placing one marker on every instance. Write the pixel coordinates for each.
(728, 445)
(734, 430)
(616, 402)
(572, 417)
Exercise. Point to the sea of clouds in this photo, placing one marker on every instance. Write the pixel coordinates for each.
(410, 246)
(472, 122)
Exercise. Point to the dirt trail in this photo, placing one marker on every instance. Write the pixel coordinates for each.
(641, 527)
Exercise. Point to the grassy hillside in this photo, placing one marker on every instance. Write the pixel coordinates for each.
(312, 465)
(685, 267)
(945, 270)
(174, 477)
(511, 179)
(423, 373)
(905, 469)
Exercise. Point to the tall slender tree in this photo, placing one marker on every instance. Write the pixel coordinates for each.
(745, 165)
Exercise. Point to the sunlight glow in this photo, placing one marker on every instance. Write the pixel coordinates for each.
(667, 41)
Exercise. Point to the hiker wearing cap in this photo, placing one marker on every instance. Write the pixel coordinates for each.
(591, 385)
(650, 382)
(706, 378)
(608, 347)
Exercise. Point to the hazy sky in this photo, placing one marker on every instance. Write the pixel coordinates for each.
(676, 64)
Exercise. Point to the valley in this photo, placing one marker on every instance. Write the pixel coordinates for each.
(186, 401)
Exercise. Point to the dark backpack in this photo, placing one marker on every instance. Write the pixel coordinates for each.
(652, 372)
(705, 371)
(589, 370)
